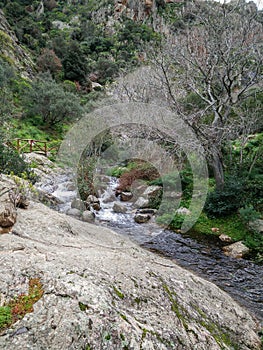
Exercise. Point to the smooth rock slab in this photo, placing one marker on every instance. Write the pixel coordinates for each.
(102, 291)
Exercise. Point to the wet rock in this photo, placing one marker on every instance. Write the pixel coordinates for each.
(142, 218)
(93, 202)
(119, 208)
(225, 238)
(92, 199)
(70, 186)
(8, 216)
(78, 204)
(95, 206)
(141, 203)
(126, 196)
(183, 211)
(236, 250)
(74, 212)
(88, 216)
(152, 191)
(110, 197)
(147, 211)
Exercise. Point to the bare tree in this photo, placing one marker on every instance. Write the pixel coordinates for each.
(217, 59)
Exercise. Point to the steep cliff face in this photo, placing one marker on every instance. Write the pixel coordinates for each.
(12, 52)
(146, 10)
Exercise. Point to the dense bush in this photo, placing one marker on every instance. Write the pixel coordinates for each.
(51, 102)
(12, 163)
(227, 201)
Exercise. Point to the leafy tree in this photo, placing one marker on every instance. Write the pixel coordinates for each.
(51, 102)
(74, 63)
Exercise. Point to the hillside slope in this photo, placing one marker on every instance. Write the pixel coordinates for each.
(11, 50)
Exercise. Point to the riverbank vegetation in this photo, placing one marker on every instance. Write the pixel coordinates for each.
(206, 65)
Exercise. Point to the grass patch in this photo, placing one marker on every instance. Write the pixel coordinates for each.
(118, 292)
(230, 225)
(21, 305)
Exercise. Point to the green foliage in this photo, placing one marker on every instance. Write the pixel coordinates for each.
(51, 102)
(116, 171)
(193, 102)
(177, 182)
(12, 163)
(120, 170)
(5, 316)
(248, 214)
(21, 305)
(254, 192)
(75, 64)
(85, 177)
(226, 201)
(7, 75)
(231, 225)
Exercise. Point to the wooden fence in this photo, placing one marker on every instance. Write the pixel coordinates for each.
(30, 145)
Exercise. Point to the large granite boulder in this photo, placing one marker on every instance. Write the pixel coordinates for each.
(101, 291)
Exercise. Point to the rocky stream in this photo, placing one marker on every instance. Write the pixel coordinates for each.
(201, 254)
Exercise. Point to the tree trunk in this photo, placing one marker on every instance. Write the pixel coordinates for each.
(217, 166)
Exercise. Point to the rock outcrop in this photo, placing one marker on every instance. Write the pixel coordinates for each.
(101, 291)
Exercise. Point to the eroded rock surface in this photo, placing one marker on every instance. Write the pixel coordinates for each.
(102, 291)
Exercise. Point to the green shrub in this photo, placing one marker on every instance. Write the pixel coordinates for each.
(5, 316)
(254, 192)
(248, 214)
(227, 201)
(116, 171)
(12, 163)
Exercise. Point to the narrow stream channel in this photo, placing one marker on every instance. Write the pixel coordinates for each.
(201, 254)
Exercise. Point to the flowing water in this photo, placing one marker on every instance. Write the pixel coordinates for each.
(241, 278)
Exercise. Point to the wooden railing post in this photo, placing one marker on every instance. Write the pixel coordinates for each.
(31, 146)
(18, 145)
(45, 148)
